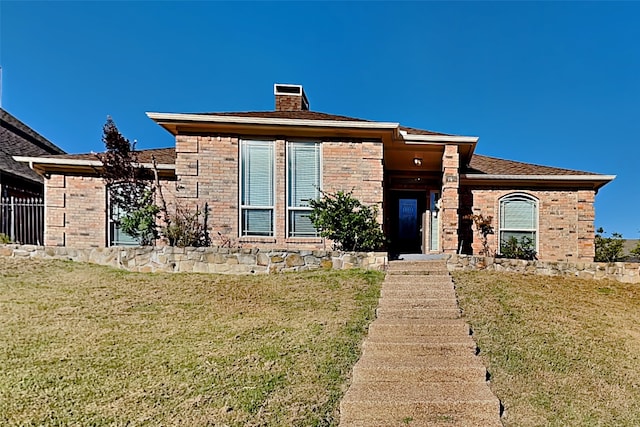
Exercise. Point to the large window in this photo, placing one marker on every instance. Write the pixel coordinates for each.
(303, 185)
(256, 188)
(117, 237)
(518, 218)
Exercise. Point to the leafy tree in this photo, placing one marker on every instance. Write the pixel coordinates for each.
(344, 219)
(128, 186)
(608, 249)
(484, 228)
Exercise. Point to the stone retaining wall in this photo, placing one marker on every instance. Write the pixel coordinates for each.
(626, 272)
(205, 260)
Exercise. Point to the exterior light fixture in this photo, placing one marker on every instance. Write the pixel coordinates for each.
(417, 161)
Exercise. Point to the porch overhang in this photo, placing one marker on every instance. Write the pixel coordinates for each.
(422, 154)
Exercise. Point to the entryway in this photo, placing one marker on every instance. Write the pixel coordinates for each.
(414, 222)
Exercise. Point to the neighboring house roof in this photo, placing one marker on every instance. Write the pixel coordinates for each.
(18, 139)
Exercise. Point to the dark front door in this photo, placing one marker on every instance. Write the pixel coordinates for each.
(409, 206)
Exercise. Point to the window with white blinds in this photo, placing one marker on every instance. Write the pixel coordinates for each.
(256, 188)
(518, 217)
(303, 185)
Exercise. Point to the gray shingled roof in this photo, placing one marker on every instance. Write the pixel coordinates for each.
(494, 166)
(18, 139)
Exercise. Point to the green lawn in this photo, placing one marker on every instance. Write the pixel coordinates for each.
(82, 344)
(560, 351)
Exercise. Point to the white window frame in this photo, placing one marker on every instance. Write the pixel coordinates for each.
(299, 208)
(242, 233)
(536, 230)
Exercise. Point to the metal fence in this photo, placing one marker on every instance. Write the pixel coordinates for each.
(22, 219)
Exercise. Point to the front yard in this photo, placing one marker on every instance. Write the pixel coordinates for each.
(82, 344)
(560, 351)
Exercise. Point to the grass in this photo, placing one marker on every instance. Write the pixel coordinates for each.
(82, 344)
(560, 351)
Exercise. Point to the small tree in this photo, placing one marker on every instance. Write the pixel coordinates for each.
(608, 249)
(344, 219)
(484, 228)
(128, 189)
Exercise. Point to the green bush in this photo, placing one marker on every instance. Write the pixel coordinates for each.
(4, 239)
(344, 219)
(518, 249)
(608, 249)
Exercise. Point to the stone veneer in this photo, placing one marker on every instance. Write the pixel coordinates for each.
(626, 272)
(205, 260)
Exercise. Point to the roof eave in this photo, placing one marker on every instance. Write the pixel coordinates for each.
(44, 165)
(170, 120)
(598, 181)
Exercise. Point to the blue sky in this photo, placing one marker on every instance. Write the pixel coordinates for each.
(548, 83)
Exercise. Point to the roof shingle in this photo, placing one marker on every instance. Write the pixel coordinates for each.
(494, 166)
(18, 139)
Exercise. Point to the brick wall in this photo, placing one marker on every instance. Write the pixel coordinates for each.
(75, 211)
(565, 221)
(207, 168)
(207, 171)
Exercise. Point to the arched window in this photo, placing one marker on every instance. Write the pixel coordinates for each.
(519, 218)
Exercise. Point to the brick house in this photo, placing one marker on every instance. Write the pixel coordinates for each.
(257, 170)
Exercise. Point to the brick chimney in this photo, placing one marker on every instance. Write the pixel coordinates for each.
(290, 98)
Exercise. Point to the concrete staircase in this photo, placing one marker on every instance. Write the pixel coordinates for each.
(419, 365)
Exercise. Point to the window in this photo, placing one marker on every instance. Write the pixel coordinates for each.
(303, 184)
(256, 188)
(117, 237)
(518, 218)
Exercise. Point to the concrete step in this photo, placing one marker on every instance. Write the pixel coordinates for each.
(416, 293)
(418, 313)
(395, 360)
(420, 283)
(418, 273)
(418, 280)
(443, 346)
(418, 327)
(437, 420)
(417, 265)
(415, 303)
(420, 402)
(368, 373)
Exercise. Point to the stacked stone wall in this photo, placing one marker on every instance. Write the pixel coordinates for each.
(625, 272)
(205, 260)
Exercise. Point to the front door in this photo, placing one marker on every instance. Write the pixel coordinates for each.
(409, 207)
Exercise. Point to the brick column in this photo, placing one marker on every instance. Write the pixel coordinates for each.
(586, 216)
(449, 200)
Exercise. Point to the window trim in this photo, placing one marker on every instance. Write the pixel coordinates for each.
(288, 208)
(241, 232)
(536, 230)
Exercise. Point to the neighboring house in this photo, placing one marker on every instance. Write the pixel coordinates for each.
(257, 171)
(20, 187)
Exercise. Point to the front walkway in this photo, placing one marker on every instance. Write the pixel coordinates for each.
(419, 365)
